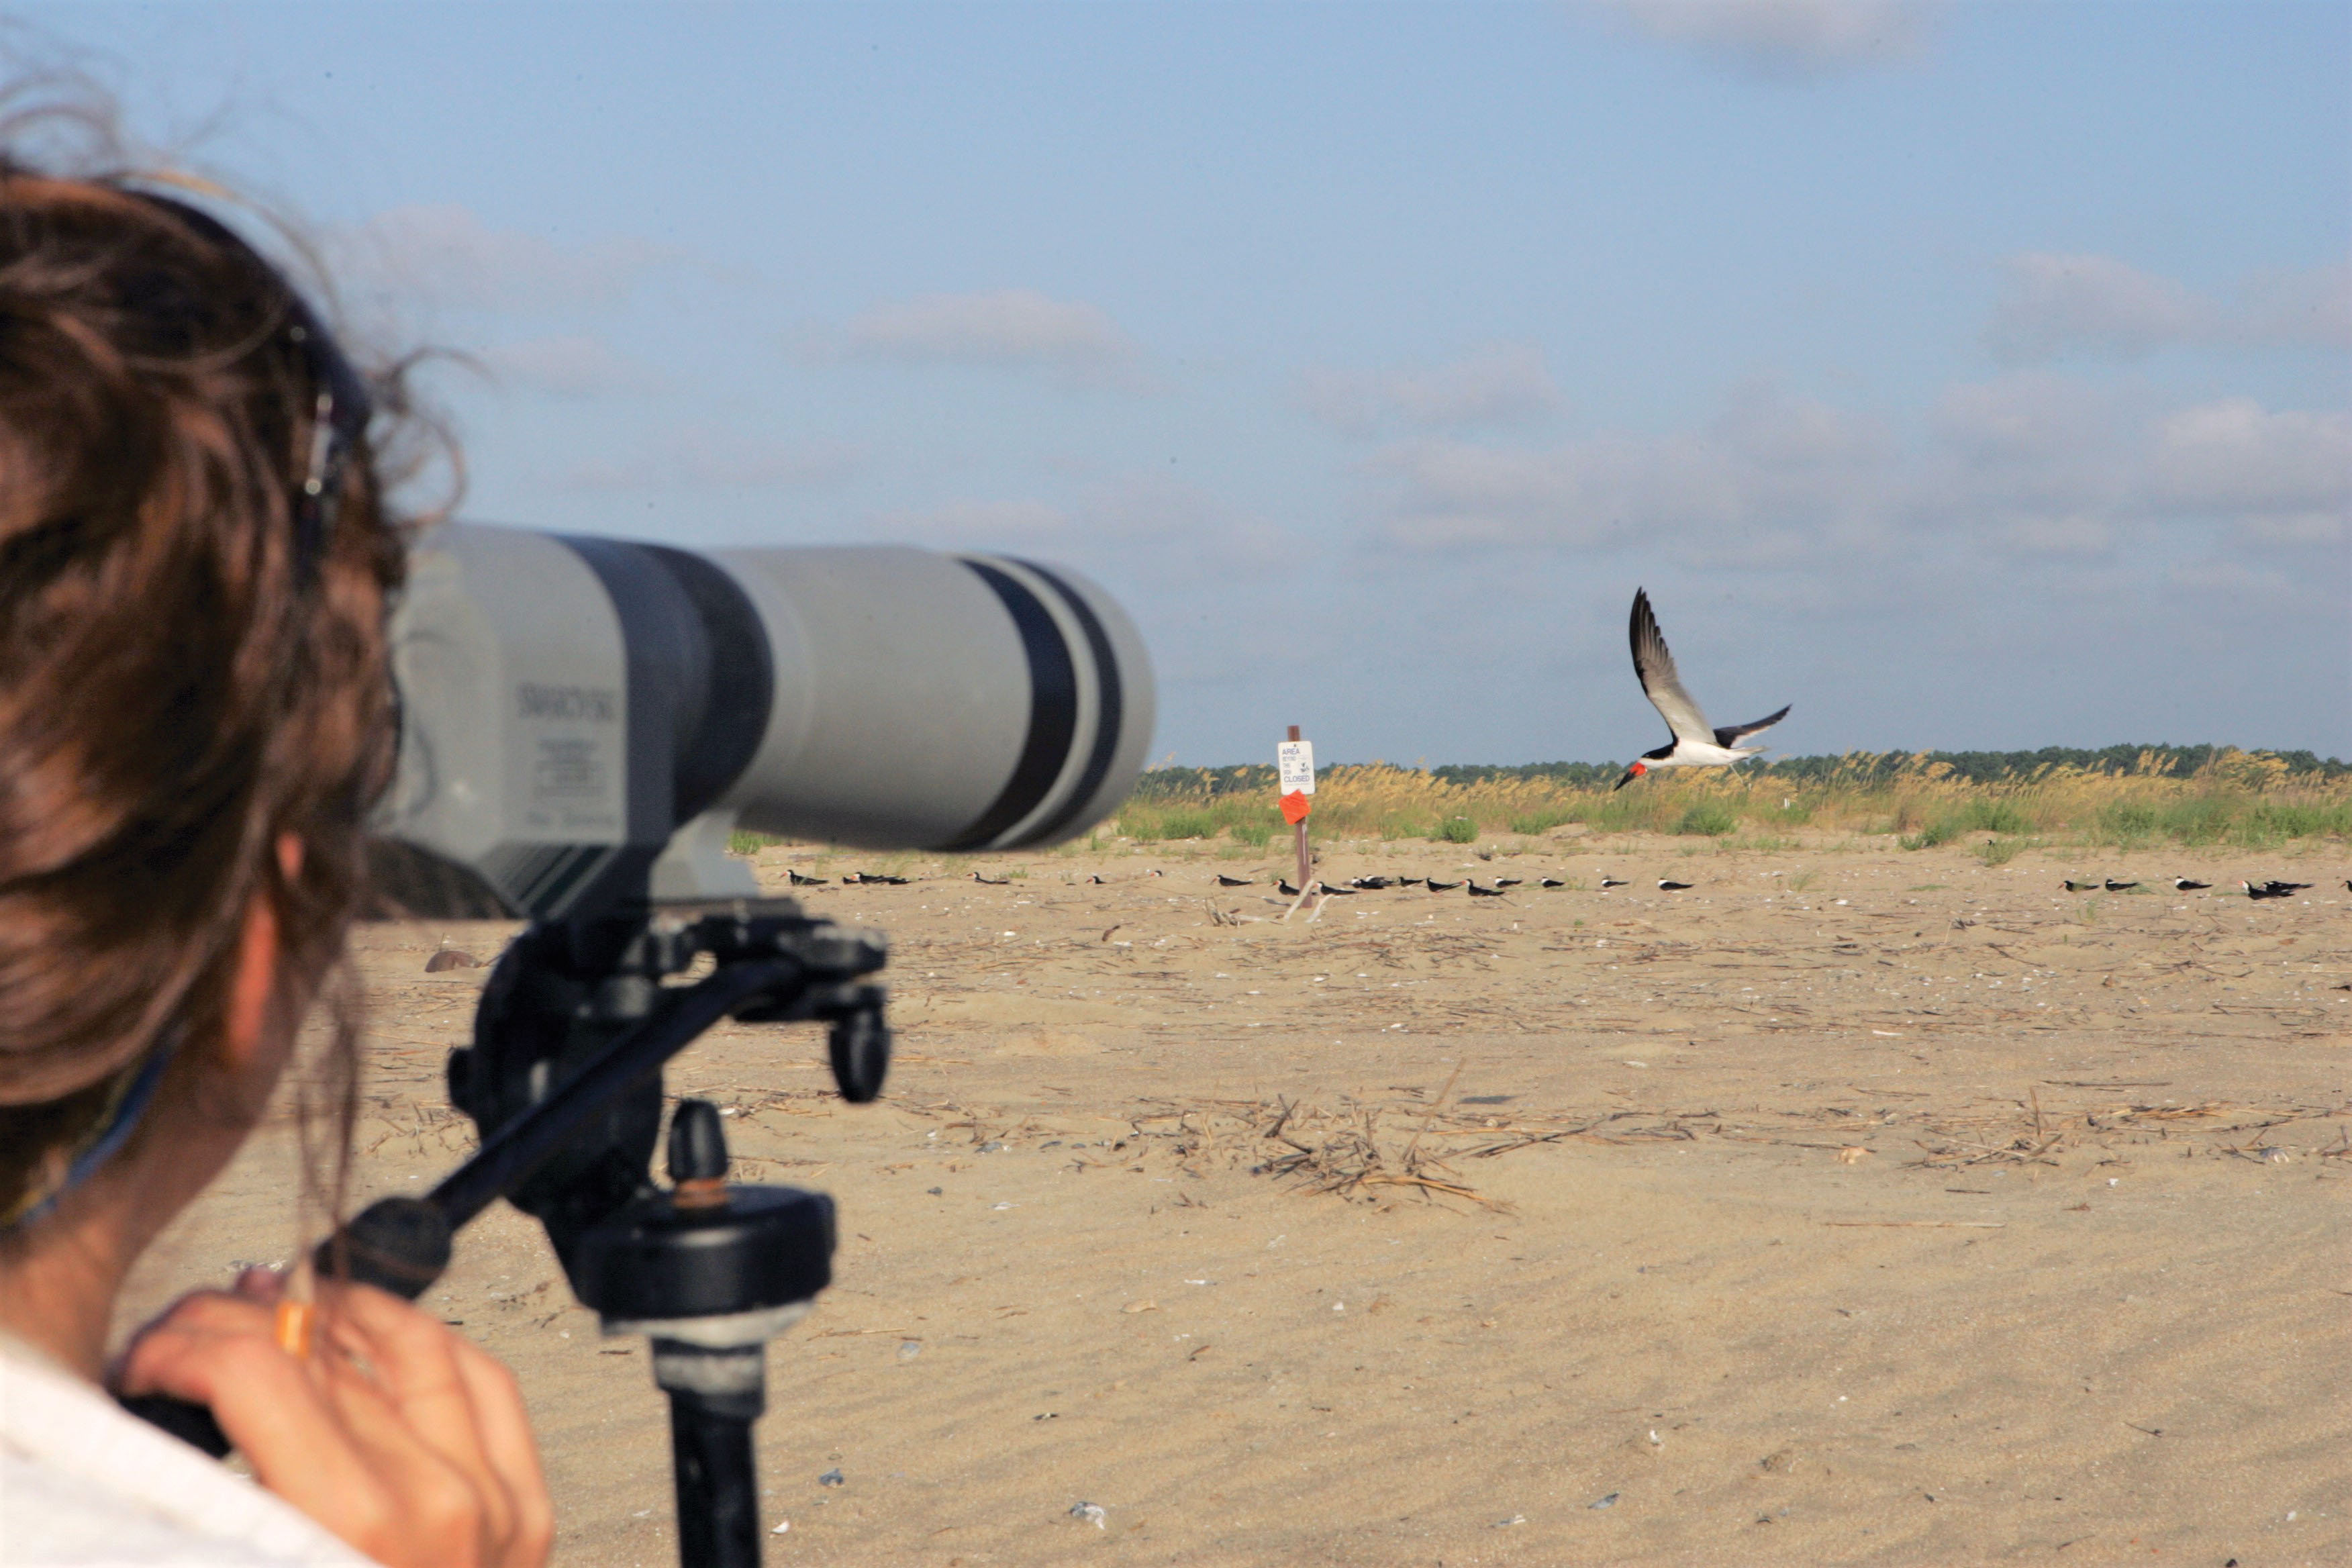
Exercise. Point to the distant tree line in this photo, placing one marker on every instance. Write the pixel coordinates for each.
(1862, 768)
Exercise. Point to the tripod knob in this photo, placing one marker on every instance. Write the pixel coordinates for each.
(697, 1143)
(860, 1046)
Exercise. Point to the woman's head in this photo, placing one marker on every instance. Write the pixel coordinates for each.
(192, 661)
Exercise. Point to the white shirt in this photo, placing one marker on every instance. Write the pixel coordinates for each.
(85, 1485)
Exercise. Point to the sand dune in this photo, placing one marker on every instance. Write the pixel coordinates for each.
(1855, 1206)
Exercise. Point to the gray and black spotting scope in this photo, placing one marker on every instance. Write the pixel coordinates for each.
(585, 720)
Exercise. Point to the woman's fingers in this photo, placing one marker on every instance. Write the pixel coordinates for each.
(513, 1451)
(414, 1358)
(220, 1351)
(398, 1436)
(447, 1513)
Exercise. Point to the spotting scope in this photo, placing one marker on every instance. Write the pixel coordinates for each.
(584, 721)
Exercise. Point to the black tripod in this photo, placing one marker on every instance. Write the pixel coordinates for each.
(563, 1078)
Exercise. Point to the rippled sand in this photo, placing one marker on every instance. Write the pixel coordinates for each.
(1855, 1205)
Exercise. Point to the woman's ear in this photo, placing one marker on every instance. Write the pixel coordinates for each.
(256, 965)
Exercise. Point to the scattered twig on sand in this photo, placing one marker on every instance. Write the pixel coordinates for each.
(1341, 1153)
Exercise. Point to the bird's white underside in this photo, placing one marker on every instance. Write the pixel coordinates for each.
(1693, 754)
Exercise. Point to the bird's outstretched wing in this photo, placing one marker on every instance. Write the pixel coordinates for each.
(1732, 735)
(1656, 666)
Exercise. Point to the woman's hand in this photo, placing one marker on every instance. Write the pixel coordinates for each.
(400, 1437)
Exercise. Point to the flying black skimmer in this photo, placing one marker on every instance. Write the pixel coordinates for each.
(798, 880)
(2274, 888)
(1695, 745)
(1478, 892)
(1225, 881)
(2116, 887)
(2186, 886)
(1614, 882)
(2074, 886)
(991, 881)
(1666, 887)
(1435, 886)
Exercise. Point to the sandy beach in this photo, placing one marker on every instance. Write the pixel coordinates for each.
(1854, 1206)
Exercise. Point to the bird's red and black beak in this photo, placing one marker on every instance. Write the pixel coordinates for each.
(1636, 770)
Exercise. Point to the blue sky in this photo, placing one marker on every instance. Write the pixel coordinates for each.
(1966, 375)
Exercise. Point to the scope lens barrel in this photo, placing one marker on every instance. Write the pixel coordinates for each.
(568, 704)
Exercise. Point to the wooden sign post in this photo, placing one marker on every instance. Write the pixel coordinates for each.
(1295, 760)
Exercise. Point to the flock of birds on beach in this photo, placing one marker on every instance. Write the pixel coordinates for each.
(2272, 888)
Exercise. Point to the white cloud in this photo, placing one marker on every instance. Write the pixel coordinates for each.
(2057, 305)
(1768, 464)
(1789, 38)
(2310, 307)
(2062, 535)
(2031, 451)
(2030, 465)
(1496, 385)
(979, 524)
(1143, 523)
(565, 367)
(718, 457)
(444, 254)
(2287, 474)
(1007, 327)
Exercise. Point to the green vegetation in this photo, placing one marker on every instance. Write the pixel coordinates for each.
(2121, 797)
(1710, 818)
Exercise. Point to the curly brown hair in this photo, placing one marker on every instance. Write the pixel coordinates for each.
(183, 678)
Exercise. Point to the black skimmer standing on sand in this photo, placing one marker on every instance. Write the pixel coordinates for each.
(2274, 888)
(2074, 886)
(1608, 882)
(1549, 882)
(1696, 744)
(2186, 886)
(1478, 892)
(798, 880)
(1666, 887)
(2116, 887)
(1370, 884)
(1435, 886)
(1225, 881)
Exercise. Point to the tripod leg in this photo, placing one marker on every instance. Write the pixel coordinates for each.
(718, 1491)
(714, 1398)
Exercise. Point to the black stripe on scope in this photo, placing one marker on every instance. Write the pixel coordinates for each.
(701, 676)
(734, 712)
(1053, 710)
(1108, 720)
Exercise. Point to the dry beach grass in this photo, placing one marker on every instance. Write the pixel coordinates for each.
(1861, 1204)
